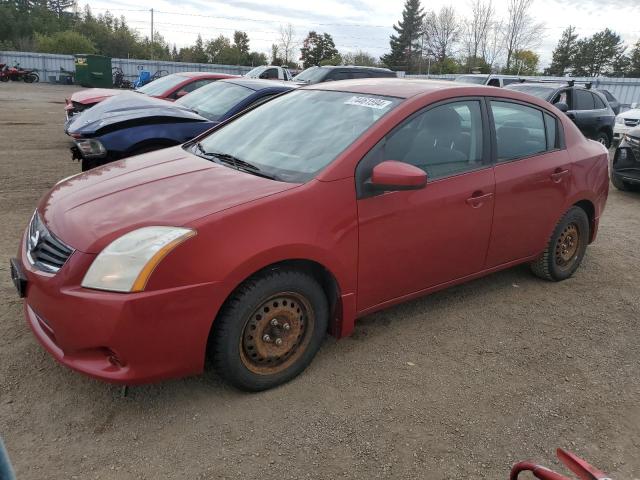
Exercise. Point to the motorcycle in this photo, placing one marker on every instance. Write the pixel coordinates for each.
(16, 74)
(577, 465)
(118, 78)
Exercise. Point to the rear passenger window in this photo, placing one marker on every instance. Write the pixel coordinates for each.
(599, 103)
(520, 130)
(584, 100)
(443, 141)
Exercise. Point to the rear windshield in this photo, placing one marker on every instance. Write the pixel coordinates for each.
(539, 91)
(161, 85)
(214, 100)
(478, 80)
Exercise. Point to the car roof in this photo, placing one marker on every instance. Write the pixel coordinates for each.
(355, 67)
(392, 87)
(260, 84)
(204, 75)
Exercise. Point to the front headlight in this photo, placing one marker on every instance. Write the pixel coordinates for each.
(620, 120)
(126, 264)
(90, 147)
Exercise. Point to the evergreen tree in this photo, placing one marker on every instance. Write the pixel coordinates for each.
(564, 53)
(317, 48)
(597, 54)
(404, 45)
(634, 61)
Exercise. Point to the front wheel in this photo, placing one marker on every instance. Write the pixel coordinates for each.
(270, 329)
(565, 249)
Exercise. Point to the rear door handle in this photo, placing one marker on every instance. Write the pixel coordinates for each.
(478, 199)
(557, 176)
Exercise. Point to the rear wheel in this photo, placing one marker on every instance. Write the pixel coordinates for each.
(31, 77)
(270, 329)
(603, 138)
(565, 249)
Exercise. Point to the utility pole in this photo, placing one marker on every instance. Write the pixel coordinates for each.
(152, 25)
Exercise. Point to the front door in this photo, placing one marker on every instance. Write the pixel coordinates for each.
(413, 240)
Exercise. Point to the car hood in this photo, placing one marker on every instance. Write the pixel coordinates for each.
(94, 95)
(125, 108)
(634, 114)
(167, 187)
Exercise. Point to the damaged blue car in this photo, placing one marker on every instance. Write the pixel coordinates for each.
(130, 124)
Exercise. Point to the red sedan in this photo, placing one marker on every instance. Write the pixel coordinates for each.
(254, 240)
(170, 87)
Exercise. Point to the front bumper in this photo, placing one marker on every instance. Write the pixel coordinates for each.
(120, 338)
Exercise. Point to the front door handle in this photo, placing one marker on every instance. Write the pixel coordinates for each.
(558, 175)
(478, 199)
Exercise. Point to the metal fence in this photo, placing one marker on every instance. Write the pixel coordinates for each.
(49, 65)
(626, 90)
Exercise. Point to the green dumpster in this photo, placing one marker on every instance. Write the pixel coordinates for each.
(93, 71)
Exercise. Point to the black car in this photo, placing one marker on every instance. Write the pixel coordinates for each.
(625, 168)
(342, 72)
(589, 109)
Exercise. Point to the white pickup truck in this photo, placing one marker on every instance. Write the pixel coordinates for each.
(270, 72)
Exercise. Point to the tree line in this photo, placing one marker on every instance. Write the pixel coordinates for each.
(483, 42)
(604, 53)
(56, 26)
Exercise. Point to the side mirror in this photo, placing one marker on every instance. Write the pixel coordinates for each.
(181, 93)
(392, 175)
(563, 107)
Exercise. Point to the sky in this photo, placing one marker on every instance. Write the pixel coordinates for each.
(354, 24)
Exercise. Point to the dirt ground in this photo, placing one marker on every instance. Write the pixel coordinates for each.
(460, 384)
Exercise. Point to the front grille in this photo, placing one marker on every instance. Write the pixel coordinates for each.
(44, 250)
(631, 122)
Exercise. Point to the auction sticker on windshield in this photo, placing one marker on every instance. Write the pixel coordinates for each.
(370, 102)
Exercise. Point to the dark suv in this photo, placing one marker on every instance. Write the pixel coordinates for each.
(589, 109)
(342, 72)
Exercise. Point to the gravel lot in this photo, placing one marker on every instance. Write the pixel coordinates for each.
(459, 384)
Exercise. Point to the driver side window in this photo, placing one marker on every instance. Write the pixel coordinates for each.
(443, 141)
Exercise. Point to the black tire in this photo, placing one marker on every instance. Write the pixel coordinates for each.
(604, 139)
(553, 263)
(90, 163)
(31, 77)
(619, 183)
(243, 356)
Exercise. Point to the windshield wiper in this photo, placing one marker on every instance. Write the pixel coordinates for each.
(237, 163)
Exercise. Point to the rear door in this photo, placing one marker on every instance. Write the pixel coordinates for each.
(532, 174)
(583, 112)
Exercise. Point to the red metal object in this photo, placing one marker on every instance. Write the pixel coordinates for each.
(581, 468)
(380, 251)
(91, 96)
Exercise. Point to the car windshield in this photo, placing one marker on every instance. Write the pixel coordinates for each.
(311, 75)
(214, 100)
(255, 73)
(161, 85)
(539, 91)
(313, 128)
(477, 79)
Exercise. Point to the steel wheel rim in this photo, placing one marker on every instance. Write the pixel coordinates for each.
(277, 333)
(568, 246)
